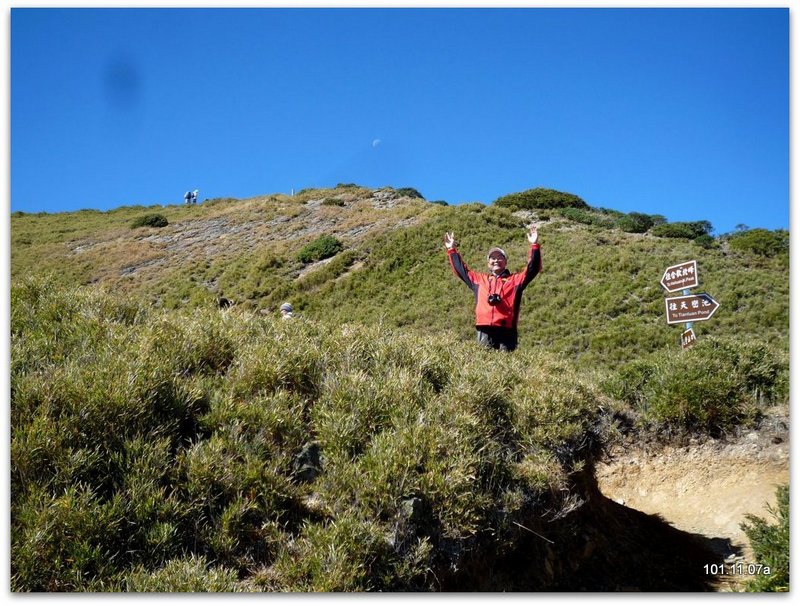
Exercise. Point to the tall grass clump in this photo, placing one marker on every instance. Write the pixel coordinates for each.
(101, 399)
(770, 543)
(714, 386)
(217, 450)
(151, 220)
(193, 574)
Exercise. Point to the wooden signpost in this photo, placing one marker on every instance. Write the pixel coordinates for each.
(687, 308)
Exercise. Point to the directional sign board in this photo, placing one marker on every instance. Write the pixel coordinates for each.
(690, 308)
(678, 277)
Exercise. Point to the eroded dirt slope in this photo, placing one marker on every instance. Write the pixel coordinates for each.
(705, 488)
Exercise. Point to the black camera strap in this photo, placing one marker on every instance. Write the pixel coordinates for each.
(499, 279)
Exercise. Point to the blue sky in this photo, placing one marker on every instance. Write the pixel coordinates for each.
(682, 112)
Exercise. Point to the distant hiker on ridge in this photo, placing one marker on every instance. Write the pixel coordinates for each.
(187, 197)
(498, 294)
(287, 313)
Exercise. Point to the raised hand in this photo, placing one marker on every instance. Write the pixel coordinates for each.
(449, 240)
(533, 233)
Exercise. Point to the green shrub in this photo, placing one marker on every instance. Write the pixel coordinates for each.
(690, 230)
(578, 215)
(439, 202)
(712, 387)
(333, 202)
(760, 241)
(603, 221)
(587, 217)
(770, 544)
(344, 556)
(698, 392)
(706, 241)
(58, 543)
(540, 197)
(635, 223)
(629, 381)
(409, 192)
(321, 248)
(152, 220)
(609, 211)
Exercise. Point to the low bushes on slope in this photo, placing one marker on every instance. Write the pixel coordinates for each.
(151, 220)
(682, 229)
(714, 386)
(219, 451)
(760, 241)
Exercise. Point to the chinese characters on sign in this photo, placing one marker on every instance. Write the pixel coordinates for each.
(679, 277)
(690, 308)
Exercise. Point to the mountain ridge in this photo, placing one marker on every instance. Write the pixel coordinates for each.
(598, 293)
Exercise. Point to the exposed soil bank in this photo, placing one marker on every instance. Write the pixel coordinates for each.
(601, 546)
(704, 488)
(648, 518)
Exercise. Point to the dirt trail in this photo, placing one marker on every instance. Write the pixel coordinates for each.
(704, 488)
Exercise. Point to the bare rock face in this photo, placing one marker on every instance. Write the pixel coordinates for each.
(308, 463)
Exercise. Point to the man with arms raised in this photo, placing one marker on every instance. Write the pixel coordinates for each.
(498, 294)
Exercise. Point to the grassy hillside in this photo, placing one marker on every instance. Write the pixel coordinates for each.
(598, 300)
(161, 443)
(220, 450)
(216, 450)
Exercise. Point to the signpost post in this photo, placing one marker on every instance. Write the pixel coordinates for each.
(687, 308)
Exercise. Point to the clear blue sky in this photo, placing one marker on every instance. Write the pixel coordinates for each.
(679, 112)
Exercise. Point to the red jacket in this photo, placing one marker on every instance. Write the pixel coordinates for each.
(509, 286)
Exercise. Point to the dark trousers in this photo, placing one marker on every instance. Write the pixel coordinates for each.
(497, 337)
